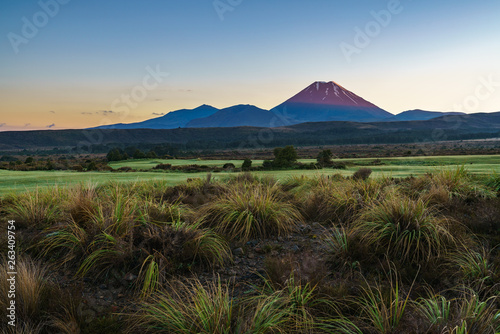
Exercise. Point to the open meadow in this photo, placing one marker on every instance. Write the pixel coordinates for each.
(14, 181)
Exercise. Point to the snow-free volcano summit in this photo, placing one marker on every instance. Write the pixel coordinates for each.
(328, 101)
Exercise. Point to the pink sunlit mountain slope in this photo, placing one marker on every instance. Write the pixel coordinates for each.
(328, 101)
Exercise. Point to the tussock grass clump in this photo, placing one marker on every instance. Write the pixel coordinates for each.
(164, 212)
(188, 307)
(192, 307)
(460, 184)
(384, 307)
(117, 232)
(195, 192)
(346, 252)
(35, 209)
(476, 267)
(33, 292)
(404, 229)
(104, 239)
(31, 286)
(252, 179)
(440, 187)
(331, 202)
(170, 247)
(297, 307)
(339, 201)
(251, 212)
(467, 313)
(82, 203)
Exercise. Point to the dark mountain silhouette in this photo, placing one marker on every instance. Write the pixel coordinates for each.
(454, 127)
(328, 101)
(240, 115)
(172, 120)
(419, 115)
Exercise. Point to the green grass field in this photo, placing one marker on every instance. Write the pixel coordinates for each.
(13, 181)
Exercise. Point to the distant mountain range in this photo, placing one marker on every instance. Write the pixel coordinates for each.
(419, 115)
(172, 120)
(318, 102)
(451, 127)
(240, 115)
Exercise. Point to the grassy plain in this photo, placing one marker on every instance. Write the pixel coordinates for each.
(15, 181)
(245, 255)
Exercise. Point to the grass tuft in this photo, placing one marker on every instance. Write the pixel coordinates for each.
(404, 229)
(251, 212)
(188, 308)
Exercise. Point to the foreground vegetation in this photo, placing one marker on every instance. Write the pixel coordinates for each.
(249, 254)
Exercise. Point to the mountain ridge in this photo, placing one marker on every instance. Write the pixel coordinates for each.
(172, 120)
(238, 115)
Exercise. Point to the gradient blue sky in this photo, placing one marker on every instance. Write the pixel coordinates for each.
(433, 55)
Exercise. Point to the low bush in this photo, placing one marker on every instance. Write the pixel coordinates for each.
(362, 174)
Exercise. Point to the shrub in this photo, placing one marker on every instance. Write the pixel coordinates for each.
(117, 232)
(31, 284)
(284, 156)
(229, 165)
(338, 165)
(267, 164)
(324, 158)
(125, 169)
(195, 192)
(247, 164)
(362, 174)
(163, 166)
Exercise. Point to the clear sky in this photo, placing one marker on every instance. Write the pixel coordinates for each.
(75, 63)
